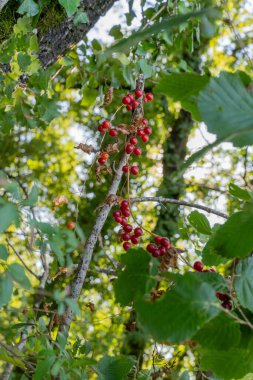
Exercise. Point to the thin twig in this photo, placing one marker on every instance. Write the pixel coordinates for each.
(180, 203)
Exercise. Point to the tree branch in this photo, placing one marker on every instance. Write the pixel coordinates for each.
(180, 203)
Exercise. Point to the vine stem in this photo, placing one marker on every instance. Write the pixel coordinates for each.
(89, 246)
(180, 203)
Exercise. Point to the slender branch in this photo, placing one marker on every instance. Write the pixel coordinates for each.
(91, 241)
(180, 203)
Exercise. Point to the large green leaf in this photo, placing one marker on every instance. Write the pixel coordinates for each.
(234, 238)
(240, 193)
(200, 222)
(221, 333)
(229, 364)
(135, 278)
(18, 274)
(70, 6)
(244, 282)
(226, 106)
(181, 312)
(28, 7)
(183, 87)
(6, 288)
(114, 368)
(8, 215)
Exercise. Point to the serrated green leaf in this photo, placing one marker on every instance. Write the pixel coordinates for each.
(28, 7)
(43, 368)
(32, 198)
(114, 368)
(244, 282)
(17, 272)
(200, 222)
(70, 6)
(3, 252)
(146, 69)
(80, 18)
(135, 278)
(238, 192)
(8, 215)
(181, 312)
(6, 288)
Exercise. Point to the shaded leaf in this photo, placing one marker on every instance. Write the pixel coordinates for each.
(114, 368)
(18, 274)
(244, 282)
(200, 222)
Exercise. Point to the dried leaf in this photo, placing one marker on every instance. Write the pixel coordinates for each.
(111, 148)
(113, 198)
(86, 148)
(60, 200)
(131, 326)
(91, 306)
(156, 294)
(61, 270)
(107, 97)
(169, 260)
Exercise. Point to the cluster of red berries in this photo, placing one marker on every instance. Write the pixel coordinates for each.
(131, 103)
(103, 157)
(161, 248)
(105, 126)
(225, 298)
(121, 217)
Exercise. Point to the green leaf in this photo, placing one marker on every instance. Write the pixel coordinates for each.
(200, 222)
(244, 282)
(32, 198)
(210, 256)
(43, 367)
(70, 6)
(238, 192)
(229, 364)
(28, 7)
(135, 278)
(114, 368)
(24, 61)
(221, 333)
(184, 376)
(80, 18)
(183, 87)
(3, 252)
(226, 107)
(18, 274)
(181, 312)
(167, 24)
(6, 288)
(11, 359)
(146, 69)
(234, 238)
(8, 215)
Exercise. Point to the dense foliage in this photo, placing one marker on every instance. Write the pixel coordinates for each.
(85, 293)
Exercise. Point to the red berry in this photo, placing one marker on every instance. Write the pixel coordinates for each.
(198, 266)
(131, 96)
(151, 247)
(104, 155)
(116, 213)
(118, 219)
(124, 204)
(158, 239)
(129, 107)
(126, 100)
(135, 104)
(70, 225)
(127, 245)
(133, 140)
(137, 151)
(145, 100)
(162, 251)
(149, 96)
(128, 228)
(125, 169)
(148, 130)
(227, 305)
(134, 239)
(106, 124)
(165, 242)
(126, 236)
(138, 93)
(134, 170)
(113, 133)
(126, 212)
(144, 121)
(222, 296)
(156, 253)
(102, 161)
(140, 132)
(138, 232)
(144, 138)
(129, 148)
(101, 129)
(124, 221)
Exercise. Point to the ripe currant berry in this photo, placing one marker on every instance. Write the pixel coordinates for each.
(127, 245)
(144, 121)
(158, 239)
(144, 138)
(149, 96)
(129, 107)
(126, 212)
(137, 151)
(101, 129)
(118, 219)
(133, 140)
(148, 130)
(156, 252)
(135, 104)
(124, 204)
(126, 236)
(128, 228)
(126, 100)
(227, 305)
(134, 239)
(113, 133)
(125, 169)
(124, 221)
(162, 251)
(101, 161)
(129, 148)
(145, 100)
(151, 247)
(116, 213)
(134, 170)
(222, 296)
(198, 266)
(104, 155)
(140, 132)
(138, 93)
(106, 124)
(138, 232)
(165, 243)
(131, 97)
(70, 225)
